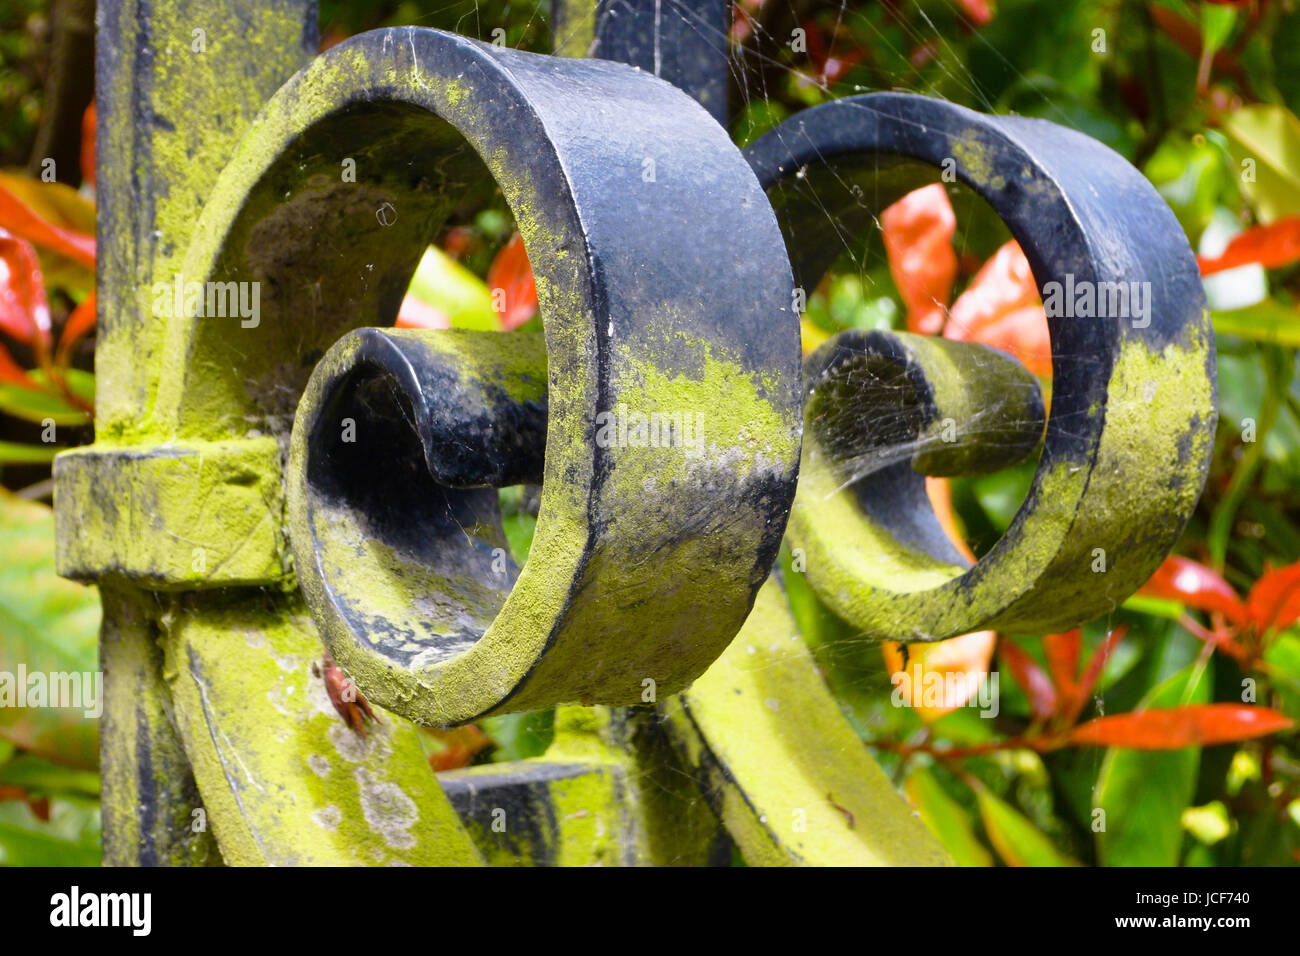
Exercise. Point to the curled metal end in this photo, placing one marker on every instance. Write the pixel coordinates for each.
(401, 441)
(885, 409)
(1127, 445)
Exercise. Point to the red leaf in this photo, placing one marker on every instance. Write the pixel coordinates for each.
(1092, 673)
(79, 323)
(11, 371)
(966, 657)
(40, 806)
(1037, 685)
(1274, 600)
(21, 221)
(458, 241)
(24, 311)
(940, 494)
(460, 744)
(1063, 660)
(1001, 308)
(1184, 580)
(977, 10)
(416, 314)
(815, 42)
(510, 279)
(1271, 246)
(88, 144)
(1196, 725)
(917, 231)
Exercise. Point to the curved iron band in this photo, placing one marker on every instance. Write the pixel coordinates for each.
(399, 444)
(1128, 442)
(781, 765)
(663, 285)
(797, 787)
(885, 409)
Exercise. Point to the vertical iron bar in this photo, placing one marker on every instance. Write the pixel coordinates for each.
(177, 84)
(682, 41)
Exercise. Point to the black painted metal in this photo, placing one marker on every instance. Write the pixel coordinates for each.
(434, 411)
(682, 41)
(1081, 213)
(874, 393)
(628, 196)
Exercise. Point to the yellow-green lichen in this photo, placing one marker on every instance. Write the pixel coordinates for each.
(1123, 509)
(285, 780)
(794, 783)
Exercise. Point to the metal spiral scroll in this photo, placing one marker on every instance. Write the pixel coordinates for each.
(1128, 441)
(663, 286)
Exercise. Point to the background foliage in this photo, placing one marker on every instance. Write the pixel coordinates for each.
(1172, 715)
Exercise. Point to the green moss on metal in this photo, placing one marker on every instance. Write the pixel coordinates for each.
(200, 94)
(286, 780)
(579, 816)
(178, 516)
(972, 154)
(1129, 504)
(782, 761)
(152, 813)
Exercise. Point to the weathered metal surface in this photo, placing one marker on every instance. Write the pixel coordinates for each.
(151, 811)
(664, 288)
(683, 41)
(546, 813)
(177, 84)
(609, 791)
(284, 780)
(180, 516)
(281, 216)
(166, 126)
(400, 442)
(786, 773)
(1129, 438)
(639, 321)
(885, 409)
(408, 573)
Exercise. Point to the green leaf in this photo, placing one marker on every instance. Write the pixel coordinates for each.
(520, 736)
(1265, 837)
(47, 625)
(946, 819)
(1268, 321)
(1016, 839)
(1283, 657)
(1189, 176)
(79, 382)
(1268, 135)
(757, 117)
(70, 838)
(1216, 26)
(43, 777)
(16, 453)
(1157, 607)
(1144, 793)
(463, 297)
(1210, 823)
(1285, 55)
(36, 406)
(518, 524)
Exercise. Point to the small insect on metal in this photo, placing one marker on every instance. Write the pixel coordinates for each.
(848, 814)
(347, 700)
